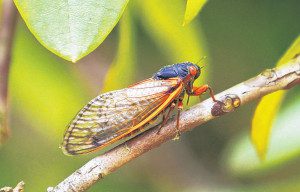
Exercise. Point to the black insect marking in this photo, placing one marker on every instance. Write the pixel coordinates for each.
(89, 104)
(71, 152)
(105, 123)
(142, 102)
(95, 141)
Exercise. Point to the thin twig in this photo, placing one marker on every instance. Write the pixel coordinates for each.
(7, 24)
(18, 188)
(269, 81)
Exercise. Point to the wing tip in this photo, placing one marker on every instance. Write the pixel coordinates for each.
(66, 151)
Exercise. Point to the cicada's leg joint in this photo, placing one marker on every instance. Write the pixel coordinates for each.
(197, 91)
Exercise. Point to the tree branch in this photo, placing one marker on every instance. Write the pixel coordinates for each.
(7, 24)
(18, 188)
(269, 81)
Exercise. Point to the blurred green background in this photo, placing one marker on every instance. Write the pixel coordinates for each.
(240, 38)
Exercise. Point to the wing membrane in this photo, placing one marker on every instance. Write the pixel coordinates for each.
(113, 115)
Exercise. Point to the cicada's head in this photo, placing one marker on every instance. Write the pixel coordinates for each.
(188, 71)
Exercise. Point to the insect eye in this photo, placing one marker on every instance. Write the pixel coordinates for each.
(193, 70)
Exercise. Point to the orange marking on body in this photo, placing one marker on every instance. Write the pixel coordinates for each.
(193, 70)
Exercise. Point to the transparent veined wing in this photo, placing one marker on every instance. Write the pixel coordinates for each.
(113, 115)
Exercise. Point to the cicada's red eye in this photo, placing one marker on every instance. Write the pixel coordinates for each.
(193, 70)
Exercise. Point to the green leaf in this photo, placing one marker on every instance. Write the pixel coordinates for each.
(122, 70)
(293, 50)
(263, 119)
(43, 89)
(266, 111)
(193, 7)
(284, 143)
(176, 42)
(71, 29)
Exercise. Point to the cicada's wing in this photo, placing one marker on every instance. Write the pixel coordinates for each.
(113, 115)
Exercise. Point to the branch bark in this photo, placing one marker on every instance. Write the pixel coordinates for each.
(268, 81)
(7, 24)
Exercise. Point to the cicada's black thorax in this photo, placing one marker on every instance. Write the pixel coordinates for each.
(180, 70)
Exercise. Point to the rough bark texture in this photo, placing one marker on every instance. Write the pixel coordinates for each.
(269, 81)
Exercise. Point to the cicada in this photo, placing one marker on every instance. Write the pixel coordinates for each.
(117, 114)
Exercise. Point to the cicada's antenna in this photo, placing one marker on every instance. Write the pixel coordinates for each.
(202, 58)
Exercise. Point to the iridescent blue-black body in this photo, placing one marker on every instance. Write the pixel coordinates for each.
(176, 70)
(180, 70)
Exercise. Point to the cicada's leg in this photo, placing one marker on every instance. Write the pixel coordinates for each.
(197, 91)
(179, 109)
(167, 116)
(163, 115)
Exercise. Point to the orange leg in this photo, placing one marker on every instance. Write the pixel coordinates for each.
(200, 90)
(167, 116)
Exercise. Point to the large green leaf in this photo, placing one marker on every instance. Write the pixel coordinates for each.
(42, 87)
(284, 143)
(268, 107)
(71, 29)
(122, 70)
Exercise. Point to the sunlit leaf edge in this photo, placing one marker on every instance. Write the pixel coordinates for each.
(122, 70)
(191, 11)
(80, 56)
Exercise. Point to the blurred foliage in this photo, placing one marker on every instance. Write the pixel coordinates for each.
(164, 27)
(1, 8)
(42, 87)
(71, 29)
(240, 38)
(122, 71)
(284, 143)
(177, 43)
(192, 9)
(266, 111)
